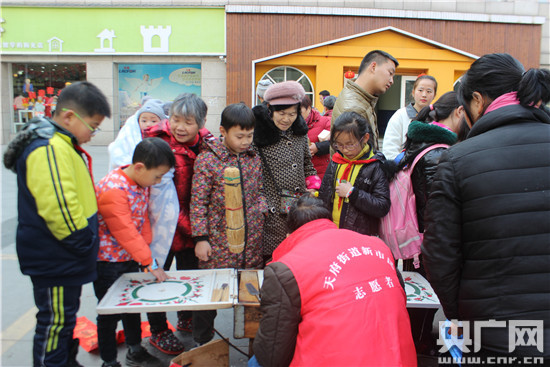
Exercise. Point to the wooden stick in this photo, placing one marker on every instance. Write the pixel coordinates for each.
(234, 214)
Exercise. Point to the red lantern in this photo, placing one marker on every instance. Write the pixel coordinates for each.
(32, 95)
(41, 93)
(49, 90)
(349, 74)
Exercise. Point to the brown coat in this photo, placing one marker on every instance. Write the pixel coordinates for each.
(353, 98)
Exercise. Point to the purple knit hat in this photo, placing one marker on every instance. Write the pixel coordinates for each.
(285, 93)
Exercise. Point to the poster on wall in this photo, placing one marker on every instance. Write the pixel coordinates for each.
(158, 81)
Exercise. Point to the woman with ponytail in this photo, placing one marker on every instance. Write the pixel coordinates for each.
(435, 124)
(485, 246)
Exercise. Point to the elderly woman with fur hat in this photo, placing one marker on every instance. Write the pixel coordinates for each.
(280, 138)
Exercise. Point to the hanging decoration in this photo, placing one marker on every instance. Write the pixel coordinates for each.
(349, 74)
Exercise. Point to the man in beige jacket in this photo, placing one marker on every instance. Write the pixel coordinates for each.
(375, 77)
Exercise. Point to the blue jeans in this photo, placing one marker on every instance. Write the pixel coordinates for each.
(107, 274)
(55, 322)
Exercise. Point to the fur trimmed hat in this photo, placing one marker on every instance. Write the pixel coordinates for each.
(153, 106)
(285, 93)
(262, 87)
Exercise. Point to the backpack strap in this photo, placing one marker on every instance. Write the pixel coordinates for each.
(416, 258)
(424, 152)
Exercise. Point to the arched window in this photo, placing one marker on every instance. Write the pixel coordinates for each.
(284, 73)
(456, 84)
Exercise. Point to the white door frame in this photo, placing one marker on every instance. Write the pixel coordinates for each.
(404, 80)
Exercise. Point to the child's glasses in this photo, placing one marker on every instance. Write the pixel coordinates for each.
(347, 147)
(94, 131)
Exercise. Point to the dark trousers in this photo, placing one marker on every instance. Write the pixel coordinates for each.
(107, 274)
(55, 322)
(203, 325)
(421, 318)
(185, 260)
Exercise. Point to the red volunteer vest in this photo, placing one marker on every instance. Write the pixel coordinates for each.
(353, 306)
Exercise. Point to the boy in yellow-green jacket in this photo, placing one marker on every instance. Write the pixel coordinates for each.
(57, 235)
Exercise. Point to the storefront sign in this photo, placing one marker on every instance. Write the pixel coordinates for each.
(159, 81)
(124, 31)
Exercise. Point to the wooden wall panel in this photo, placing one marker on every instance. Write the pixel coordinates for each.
(253, 36)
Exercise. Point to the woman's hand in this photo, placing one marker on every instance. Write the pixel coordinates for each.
(203, 250)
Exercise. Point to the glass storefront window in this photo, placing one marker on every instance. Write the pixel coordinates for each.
(35, 87)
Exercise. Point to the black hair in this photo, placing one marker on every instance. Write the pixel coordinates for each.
(280, 107)
(325, 93)
(305, 210)
(496, 74)
(534, 86)
(329, 102)
(306, 102)
(266, 133)
(238, 114)
(422, 77)
(442, 109)
(85, 98)
(153, 153)
(353, 123)
(463, 130)
(378, 56)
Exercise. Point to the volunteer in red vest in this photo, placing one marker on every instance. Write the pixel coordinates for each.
(331, 297)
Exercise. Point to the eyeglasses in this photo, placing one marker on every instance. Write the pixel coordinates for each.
(347, 147)
(94, 131)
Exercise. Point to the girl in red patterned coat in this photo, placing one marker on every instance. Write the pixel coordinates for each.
(208, 203)
(184, 131)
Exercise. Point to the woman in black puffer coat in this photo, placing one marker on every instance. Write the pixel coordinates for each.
(487, 230)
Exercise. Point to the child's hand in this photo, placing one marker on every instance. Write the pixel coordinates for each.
(344, 189)
(203, 250)
(159, 274)
(313, 149)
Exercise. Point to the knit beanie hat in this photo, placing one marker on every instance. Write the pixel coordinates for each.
(262, 87)
(285, 93)
(153, 106)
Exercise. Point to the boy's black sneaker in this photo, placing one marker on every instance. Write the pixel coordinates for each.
(142, 358)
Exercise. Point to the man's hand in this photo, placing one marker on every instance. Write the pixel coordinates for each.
(203, 250)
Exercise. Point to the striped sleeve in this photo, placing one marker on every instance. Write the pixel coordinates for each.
(52, 181)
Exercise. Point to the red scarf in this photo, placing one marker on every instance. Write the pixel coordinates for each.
(338, 158)
(88, 160)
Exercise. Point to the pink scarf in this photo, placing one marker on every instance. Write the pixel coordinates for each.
(507, 99)
(440, 125)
